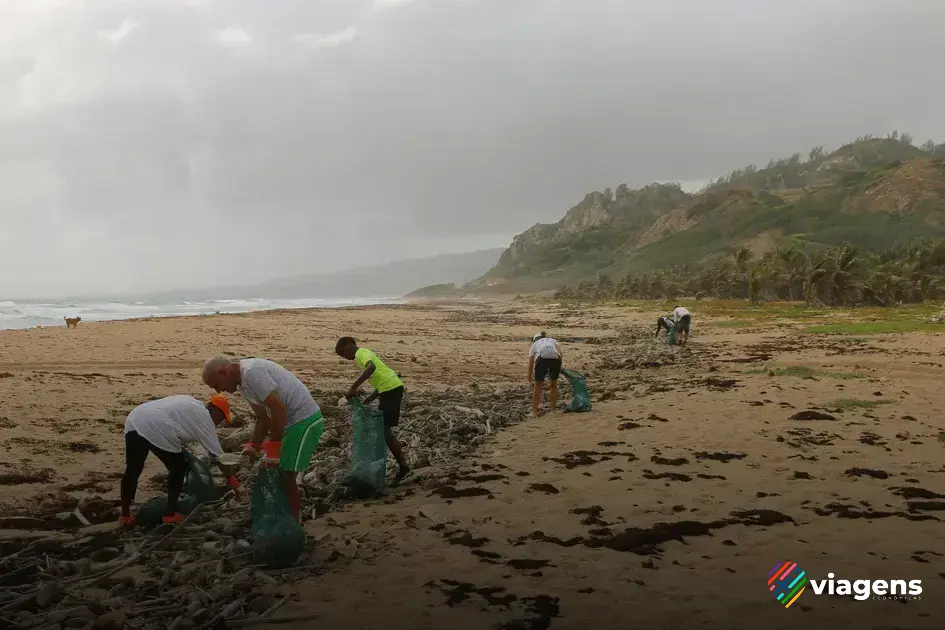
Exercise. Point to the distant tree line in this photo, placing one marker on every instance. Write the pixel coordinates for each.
(838, 276)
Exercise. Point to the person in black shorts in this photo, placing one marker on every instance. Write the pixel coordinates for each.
(389, 404)
(682, 318)
(544, 360)
(388, 389)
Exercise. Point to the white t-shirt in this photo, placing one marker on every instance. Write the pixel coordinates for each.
(678, 312)
(169, 423)
(545, 348)
(261, 377)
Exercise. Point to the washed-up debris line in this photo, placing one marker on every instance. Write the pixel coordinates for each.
(642, 353)
(438, 430)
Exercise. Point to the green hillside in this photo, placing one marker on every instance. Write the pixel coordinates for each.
(874, 194)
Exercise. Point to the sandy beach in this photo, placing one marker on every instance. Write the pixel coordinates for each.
(669, 503)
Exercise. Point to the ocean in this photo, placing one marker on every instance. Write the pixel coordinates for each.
(32, 313)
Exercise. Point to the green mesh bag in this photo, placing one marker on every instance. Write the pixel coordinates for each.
(670, 331)
(582, 400)
(278, 539)
(198, 488)
(368, 472)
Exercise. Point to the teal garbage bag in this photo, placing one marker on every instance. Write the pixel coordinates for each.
(278, 539)
(581, 401)
(367, 474)
(671, 333)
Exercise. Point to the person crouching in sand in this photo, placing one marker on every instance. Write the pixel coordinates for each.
(682, 318)
(544, 359)
(162, 427)
(285, 412)
(388, 389)
(664, 322)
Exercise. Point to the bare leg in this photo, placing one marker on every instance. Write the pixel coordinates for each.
(393, 445)
(554, 396)
(292, 494)
(536, 398)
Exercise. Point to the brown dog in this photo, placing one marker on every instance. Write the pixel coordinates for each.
(72, 322)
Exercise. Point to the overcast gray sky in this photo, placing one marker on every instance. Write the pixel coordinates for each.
(156, 144)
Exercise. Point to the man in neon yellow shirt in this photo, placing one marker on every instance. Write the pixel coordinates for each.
(388, 389)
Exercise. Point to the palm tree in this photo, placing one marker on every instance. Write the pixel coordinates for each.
(814, 275)
(841, 275)
(742, 257)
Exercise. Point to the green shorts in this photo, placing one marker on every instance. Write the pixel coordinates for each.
(299, 443)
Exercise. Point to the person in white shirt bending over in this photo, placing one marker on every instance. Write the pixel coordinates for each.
(162, 427)
(682, 318)
(544, 359)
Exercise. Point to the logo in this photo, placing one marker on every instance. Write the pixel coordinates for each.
(787, 582)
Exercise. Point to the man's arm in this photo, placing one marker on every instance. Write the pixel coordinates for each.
(365, 375)
(531, 368)
(370, 398)
(262, 423)
(277, 417)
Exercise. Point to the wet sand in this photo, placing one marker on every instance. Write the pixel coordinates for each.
(668, 503)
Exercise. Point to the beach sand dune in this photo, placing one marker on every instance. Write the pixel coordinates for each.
(694, 475)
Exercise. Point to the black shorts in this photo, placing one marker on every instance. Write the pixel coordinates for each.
(545, 367)
(389, 404)
(683, 325)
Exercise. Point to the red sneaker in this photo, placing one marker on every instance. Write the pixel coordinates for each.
(173, 519)
(126, 521)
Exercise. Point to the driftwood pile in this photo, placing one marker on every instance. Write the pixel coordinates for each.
(200, 574)
(643, 353)
(437, 430)
(197, 574)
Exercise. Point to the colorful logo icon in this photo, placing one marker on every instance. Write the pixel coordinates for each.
(787, 581)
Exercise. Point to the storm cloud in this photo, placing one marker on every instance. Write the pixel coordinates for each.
(159, 144)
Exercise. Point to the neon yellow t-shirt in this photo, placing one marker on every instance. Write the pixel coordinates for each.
(384, 379)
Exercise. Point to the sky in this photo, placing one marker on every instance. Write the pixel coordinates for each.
(161, 144)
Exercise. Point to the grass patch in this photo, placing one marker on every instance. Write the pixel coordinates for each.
(802, 371)
(941, 437)
(875, 328)
(849, 404)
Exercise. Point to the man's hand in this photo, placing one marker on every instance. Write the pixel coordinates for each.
(271, 452)
(251, 450)
(352, 393)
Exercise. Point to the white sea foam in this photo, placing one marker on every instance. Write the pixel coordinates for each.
(30, 313)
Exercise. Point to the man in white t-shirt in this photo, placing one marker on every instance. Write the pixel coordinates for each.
(162, 427)
(544, 360)
(285, 412)
(682, 319)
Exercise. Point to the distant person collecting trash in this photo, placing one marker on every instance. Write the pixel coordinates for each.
(682, 319)
(285, 412)
(388, 389)
(544, 360)
(664, 322)
(162, 427)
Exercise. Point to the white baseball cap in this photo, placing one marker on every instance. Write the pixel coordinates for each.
(538, 336)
